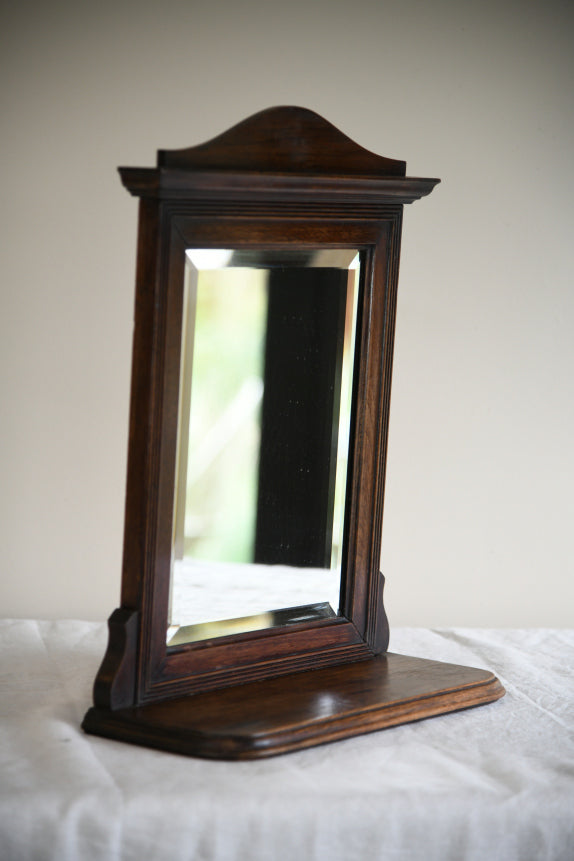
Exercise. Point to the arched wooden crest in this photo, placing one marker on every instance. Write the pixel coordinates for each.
(283, 140)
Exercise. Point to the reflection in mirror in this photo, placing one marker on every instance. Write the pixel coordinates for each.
(263, 438)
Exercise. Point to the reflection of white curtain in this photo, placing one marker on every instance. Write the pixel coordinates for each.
(212, 591)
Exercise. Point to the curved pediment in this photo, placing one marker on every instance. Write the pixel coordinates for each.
(283, 140)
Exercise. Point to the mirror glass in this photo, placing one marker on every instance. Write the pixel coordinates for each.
(266, 379)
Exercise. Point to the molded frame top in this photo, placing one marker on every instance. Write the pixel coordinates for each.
(276, 152)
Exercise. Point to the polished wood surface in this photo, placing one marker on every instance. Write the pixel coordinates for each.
(297, 711)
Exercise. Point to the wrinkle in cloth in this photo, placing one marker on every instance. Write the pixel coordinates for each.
(492, 782)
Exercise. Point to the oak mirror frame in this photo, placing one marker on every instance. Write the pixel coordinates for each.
(284, 180)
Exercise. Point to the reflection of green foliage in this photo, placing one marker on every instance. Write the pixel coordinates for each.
(229, 331)
(228, 353)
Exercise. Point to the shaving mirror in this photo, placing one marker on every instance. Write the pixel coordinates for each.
(252, 619)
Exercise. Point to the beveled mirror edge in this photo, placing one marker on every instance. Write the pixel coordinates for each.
(279, 269)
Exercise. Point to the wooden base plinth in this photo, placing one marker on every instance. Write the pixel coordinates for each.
(301, 710)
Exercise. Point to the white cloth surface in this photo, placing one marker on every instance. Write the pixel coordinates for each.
(494, 782)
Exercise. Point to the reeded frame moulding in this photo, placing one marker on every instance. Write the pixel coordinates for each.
(282, 178)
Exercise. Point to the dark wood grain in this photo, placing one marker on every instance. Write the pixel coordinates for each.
(293, 712)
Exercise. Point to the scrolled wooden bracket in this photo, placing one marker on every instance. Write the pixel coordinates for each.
(115, 683)
(380, 640)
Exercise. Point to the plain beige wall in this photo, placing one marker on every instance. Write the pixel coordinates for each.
(479, 513)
